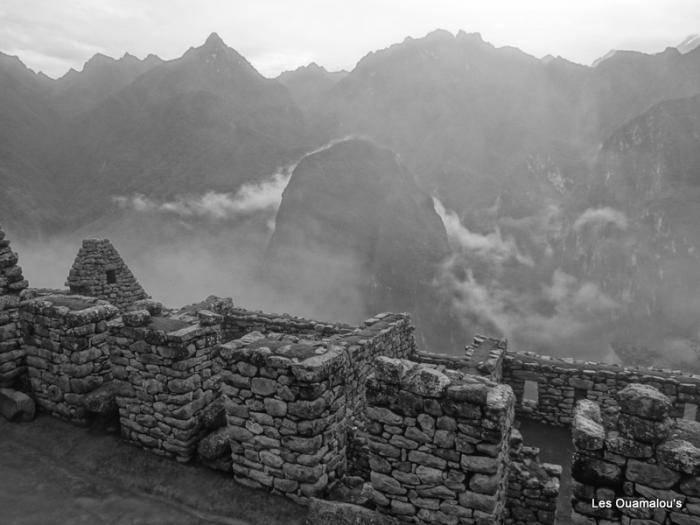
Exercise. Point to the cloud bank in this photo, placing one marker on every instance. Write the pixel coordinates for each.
(496, 290)
(251, 198)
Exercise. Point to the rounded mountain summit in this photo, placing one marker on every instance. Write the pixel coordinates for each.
(355, 236)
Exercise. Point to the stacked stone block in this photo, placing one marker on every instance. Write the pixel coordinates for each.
(12, 283)
(286, 412)
(645, 466)
(439, 443)
(167, 376)
(483, 357)
(238, 322)
(533, 487)
(389, 335)
(99, 271)
(66, 342)
(386, 334)
(562, 382)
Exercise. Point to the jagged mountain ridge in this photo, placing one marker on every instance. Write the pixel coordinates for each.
(206, 121)
(308, 83)
(497, 134)
(456, 107)
(101, 77)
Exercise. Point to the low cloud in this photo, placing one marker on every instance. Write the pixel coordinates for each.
(254, 197)
(496, 290)
(251, 198)
(597, 218)
(491, 246)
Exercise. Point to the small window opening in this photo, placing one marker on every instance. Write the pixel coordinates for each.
(111, 276)
(690, 411)
(580, 393)
(530, 393)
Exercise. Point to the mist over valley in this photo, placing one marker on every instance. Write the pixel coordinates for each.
(482, 189)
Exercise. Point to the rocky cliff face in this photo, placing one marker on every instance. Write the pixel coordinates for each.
(355, 236)
(645, 247)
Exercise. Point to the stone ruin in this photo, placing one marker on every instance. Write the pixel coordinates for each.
(352, 421)
(12, 283)
(645, 464)
(99, 271)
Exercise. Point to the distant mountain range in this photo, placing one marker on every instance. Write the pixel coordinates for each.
(567, 193)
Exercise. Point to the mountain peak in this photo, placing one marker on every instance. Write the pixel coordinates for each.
(471, 37)
(214, 40)
(439, 34)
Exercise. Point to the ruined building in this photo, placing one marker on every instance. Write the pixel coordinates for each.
(300, 407)
(99, 271)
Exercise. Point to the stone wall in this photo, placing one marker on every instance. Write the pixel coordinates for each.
(12, 283)
(292, 399)
(562, 382)
(99, 271)
(439, 443)
(66, 344)
(484, 357)
(643, 469)
(533, 487)
(239, 321)
(285, 406)
(166, 377)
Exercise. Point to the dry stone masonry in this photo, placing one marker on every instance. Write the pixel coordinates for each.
(67, 351)
(166, 376)
(291, 399)
(560, 383)
(326, 410)
(239, 321)
(484, 357)
(439, 442)
(12, 283)
(99, 271)
(644, 469)
(533, 487)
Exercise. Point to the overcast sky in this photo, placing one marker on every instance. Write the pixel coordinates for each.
(55, 35)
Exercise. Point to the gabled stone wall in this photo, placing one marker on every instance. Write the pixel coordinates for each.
(563, 381)
(99, 271)
(166, 377)
(12, 283)
(439, 443)
(644, 458)
(65, 339)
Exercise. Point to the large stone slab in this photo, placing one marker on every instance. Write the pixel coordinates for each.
(644, 401)
(16, 406)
